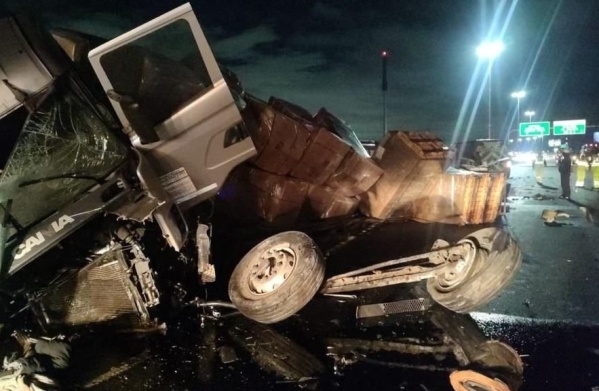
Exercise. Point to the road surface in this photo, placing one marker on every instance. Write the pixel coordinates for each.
(558, 278)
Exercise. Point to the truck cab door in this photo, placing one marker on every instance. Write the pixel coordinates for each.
(170, 96)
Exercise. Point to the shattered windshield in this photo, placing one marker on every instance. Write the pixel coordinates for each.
(62, 146)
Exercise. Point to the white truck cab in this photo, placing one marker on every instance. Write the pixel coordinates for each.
(170, 96)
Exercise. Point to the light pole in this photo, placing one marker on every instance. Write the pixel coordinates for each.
(490, 51)
(384, 55)
(529, 113)
(518, 95)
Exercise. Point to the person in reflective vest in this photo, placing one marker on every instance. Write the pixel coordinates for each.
(538, 166)
(582, 166)
(595, 170)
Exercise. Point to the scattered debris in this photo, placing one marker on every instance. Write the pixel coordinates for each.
(590, 214)
(550, 215)
(227, 354)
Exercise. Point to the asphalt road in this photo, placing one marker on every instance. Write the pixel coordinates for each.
(560, 270)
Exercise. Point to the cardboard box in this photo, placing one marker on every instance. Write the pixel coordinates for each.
(321, 157)
(265, 116)
(250, 194)
(279, 139)
(285, 147)
(336, 125)
(293, 111)
(325, 202)
(355, 175)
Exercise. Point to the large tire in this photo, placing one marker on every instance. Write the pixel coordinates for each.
(497, 260)
(277, 277)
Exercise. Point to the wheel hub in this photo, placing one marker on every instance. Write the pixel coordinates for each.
(460, 261)
(468, 380)
(272, 269)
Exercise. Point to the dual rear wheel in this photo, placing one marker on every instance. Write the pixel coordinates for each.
(281, 274)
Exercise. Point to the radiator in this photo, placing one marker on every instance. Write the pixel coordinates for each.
(100, 293)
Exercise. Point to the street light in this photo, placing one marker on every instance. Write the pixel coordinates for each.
(384, 55)
(529, 113)
(518, 95)
(490, 51)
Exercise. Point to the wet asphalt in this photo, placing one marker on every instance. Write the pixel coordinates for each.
(548, 315)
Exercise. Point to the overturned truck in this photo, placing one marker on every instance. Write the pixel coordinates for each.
(120, 148)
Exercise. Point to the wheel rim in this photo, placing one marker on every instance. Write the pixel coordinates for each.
(469, 380)
(271, 269)
(459, 268)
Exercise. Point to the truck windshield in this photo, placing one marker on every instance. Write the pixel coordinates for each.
(61, 148)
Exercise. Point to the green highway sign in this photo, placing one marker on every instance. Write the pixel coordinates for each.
(573, 126)
(531, 129)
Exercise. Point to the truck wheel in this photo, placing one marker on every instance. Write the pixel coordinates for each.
(496, 260)
(471, 380)
(277, 277)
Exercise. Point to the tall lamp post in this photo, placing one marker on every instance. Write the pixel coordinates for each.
(529, 113)
(518, 95)
(490, 51)
(384, 55)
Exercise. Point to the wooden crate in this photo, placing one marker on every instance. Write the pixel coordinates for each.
(465, 197)
(415, 185)
(412, 163)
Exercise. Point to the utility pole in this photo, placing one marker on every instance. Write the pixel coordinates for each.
(384, 55)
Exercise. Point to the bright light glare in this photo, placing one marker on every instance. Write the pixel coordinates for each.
(518, 94)
(529, 113)
(490, 50)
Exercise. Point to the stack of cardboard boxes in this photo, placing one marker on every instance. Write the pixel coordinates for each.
(303, 169)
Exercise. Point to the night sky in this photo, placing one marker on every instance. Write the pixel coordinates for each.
(326, 53)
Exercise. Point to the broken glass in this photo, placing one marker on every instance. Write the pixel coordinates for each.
(64, 149)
